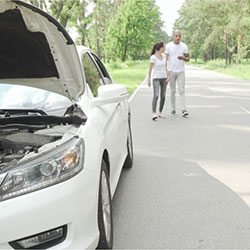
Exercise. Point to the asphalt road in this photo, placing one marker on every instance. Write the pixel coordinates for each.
(190, 183)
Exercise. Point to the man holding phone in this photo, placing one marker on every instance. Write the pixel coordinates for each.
(177, 54)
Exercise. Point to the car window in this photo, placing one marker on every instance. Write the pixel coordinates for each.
(101, 67)
(92, 74)
(22, 97)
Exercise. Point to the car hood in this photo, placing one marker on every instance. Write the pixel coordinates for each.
(35, 50)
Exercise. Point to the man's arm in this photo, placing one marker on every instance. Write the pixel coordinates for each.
(185, 58)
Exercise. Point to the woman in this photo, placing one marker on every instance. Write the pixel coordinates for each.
(160, 77)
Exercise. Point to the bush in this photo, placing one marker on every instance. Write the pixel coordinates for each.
(116, 65)
(131, 63)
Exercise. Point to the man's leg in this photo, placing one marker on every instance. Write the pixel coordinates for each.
(181, 89)
(172, 84)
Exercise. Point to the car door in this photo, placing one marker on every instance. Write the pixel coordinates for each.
(112, 118)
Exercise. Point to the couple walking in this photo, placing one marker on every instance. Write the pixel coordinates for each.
(168, 64)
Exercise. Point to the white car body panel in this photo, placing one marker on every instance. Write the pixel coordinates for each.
(71, 80)
(73, 202)
(64, 206)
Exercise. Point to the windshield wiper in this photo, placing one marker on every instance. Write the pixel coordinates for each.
(10, 112)
(22, 126)
(41, 120)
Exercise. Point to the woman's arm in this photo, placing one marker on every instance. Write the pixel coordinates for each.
(149, 73)
(168, 74)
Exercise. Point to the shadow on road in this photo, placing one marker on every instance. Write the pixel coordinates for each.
(168, 203)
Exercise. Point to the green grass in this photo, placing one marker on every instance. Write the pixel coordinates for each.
(130, 73)
(236, 70)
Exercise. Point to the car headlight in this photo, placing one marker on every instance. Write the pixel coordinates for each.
(48, 169)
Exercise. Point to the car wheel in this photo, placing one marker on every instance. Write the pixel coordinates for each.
(130, 156)
(105, 222)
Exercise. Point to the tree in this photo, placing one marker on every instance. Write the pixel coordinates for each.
(112, 28)
(216, 28)
(103, 10)
(80, 20)
(62, 10)
(38, 3)
(130, 31)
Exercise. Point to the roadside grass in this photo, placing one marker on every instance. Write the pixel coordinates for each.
(132, 73)
(236, 70)
(129, 73)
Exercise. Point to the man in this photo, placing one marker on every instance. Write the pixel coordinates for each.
(177, 54)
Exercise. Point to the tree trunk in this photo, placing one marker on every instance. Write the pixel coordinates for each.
(239, 46)
(125, 52)
(220, 38)
(42, 4)
(96, 31)
(64, 21)
(215, 51)
(212, 52)
(83, 40)
(233, 51)
(229, 52)
(118, 2)
(226, 50)
(60, 9)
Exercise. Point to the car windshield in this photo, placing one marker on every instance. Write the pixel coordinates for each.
(22, 97)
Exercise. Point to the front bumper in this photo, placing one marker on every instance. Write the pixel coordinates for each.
(72, 203)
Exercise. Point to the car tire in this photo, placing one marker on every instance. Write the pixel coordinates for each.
(130, 156)
(105, 221)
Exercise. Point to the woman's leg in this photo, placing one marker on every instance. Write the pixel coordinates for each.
(156, 84)
(163, 93)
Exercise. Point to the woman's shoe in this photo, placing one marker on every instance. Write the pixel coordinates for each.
(161, 116)
(155, 117)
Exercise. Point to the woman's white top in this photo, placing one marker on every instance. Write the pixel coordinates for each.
(159, 70)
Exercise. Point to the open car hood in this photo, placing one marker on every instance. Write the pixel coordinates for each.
(35, 50)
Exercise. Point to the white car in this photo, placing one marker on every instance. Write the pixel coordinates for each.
(64, 136)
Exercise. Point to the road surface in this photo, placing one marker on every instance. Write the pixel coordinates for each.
(190, 183)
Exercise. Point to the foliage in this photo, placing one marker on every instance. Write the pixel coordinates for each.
(216, 29)
(130, 31)
(80, 20)
(62, 10)
(97, 31)
(124, 29)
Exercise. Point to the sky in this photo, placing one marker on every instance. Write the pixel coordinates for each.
(169, 9)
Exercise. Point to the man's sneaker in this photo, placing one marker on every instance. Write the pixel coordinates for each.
(184, 113)
(173, 112)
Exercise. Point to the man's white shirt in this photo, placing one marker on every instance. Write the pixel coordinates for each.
(174, 50)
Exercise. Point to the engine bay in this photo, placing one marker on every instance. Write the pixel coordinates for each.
(14, 145)
(22, 135)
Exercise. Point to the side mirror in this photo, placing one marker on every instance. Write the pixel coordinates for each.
(111, 93)
(107, 80)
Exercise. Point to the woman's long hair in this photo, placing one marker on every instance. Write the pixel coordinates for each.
(157, 47)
